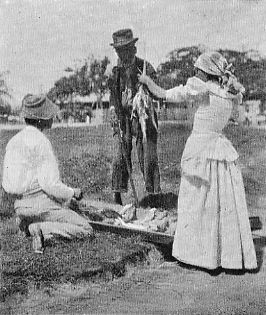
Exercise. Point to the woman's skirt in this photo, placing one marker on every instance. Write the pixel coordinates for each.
(213, 228)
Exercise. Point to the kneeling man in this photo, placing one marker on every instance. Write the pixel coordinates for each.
(31, 172)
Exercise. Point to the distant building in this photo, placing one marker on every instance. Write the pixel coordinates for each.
(92, 100)
(87, 108)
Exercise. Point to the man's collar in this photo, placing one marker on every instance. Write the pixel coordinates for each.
(32, 128)
(123, 65)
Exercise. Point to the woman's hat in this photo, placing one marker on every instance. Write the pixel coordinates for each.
(123, 38)
(212, 63)
(38, 107)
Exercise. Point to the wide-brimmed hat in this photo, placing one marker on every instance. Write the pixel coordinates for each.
(212, 63)
(123, 38)
(38, 107)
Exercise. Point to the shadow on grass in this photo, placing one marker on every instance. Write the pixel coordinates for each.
(260, 243)
(166, 201)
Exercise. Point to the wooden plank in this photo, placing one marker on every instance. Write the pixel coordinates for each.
(153, 237)
(149, 236)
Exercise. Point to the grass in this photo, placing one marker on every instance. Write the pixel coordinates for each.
(85, 156)
(63, 261)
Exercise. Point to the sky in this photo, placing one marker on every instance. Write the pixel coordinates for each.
(41, 38)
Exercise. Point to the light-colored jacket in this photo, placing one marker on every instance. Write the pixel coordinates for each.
(30, 166)
(206, 142)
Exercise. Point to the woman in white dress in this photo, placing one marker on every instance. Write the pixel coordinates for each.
(213, 228)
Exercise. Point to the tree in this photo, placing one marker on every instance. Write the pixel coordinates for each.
(64, 87)
(89, 78)
(98, 77)
(179, 66)
(250, 68)
(5, 108)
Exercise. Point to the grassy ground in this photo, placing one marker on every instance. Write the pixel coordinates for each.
(85, 160)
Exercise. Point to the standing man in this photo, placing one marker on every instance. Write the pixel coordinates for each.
(124, 85)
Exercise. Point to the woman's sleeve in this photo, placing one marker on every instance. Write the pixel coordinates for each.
(49, 177)
(193, 90)
(182, 93)
(177, 94)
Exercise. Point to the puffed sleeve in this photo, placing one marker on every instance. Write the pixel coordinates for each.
(192, 90)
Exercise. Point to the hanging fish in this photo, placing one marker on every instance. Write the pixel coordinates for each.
(142, 103)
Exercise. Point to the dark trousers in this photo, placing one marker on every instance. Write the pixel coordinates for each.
(147, 156)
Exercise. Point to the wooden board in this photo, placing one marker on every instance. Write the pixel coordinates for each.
(153, 237)
(149, 236)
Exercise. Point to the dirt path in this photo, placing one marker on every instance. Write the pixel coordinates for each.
(179, 291)
(157, 290)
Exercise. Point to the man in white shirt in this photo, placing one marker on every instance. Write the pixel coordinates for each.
(31, 171)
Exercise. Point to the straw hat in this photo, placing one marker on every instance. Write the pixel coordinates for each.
(123, 38)
(38, 107)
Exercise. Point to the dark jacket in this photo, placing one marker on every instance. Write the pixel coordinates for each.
(123, 78)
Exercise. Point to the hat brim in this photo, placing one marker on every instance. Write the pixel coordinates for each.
(119, 45)
(45, 111)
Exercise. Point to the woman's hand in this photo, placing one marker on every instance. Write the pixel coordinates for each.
(143, 78)
(233, 85)
(152, 86)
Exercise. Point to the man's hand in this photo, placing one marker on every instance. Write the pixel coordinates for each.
(84, 204)
(78, 194)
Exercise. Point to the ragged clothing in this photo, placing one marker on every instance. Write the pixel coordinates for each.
(124, 86)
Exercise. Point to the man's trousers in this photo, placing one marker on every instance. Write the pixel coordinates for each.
(147, 156)
(51, 217)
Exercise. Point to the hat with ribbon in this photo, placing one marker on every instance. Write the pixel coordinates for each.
(38, 107)
(123, 38)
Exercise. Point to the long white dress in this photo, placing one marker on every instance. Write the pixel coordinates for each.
(213, 227)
